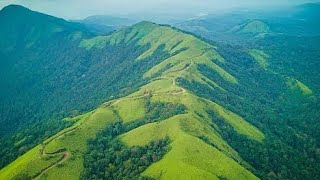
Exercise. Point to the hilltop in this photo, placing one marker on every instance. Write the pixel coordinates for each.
(191, 132)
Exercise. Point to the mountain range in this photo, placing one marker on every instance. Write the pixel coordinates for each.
(237, 27)
(151, 101)
(102, 24)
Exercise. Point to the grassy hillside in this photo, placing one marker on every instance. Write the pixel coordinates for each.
(196, 148)
(183, 131)
(46, 76)
(252, 27)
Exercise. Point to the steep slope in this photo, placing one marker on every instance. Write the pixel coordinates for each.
(46, 76)
(278, 89)
(196, 148)
(22, 27)
(32, 44)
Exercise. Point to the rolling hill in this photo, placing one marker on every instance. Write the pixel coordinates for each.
(254, 27)
(155, 102)
(241, 27)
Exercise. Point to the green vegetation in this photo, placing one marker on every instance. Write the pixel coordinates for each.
(188, 157)
(264, 99)
(72, 139)
(260, 57)
(60, 79)
(22, 164)
(297, 85)
(255, 27)
(153, 102)
(108, 158)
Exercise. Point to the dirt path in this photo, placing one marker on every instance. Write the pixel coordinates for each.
(174, 83)
(66, 154)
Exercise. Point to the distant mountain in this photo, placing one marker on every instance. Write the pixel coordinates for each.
(152, 101)
(254, 27)
(109, 20)
(212, 27)
(22, 28)
(104, 24)
(310, 10)
(297, 21)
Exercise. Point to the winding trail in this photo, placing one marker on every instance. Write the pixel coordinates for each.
(66, 154)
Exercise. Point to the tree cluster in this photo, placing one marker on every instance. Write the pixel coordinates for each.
(108, 158)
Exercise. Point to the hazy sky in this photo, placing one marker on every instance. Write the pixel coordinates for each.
(75, 9)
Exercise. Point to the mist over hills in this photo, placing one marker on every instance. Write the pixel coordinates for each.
(300, 20)
(102, 24)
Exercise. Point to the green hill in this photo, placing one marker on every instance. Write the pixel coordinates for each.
(46, 76)
(184, 130)
(252, 27)
(157, 103)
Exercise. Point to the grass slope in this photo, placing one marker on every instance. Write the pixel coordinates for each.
(252, 27)
(260, 57)
(197, 150)
(295, 84)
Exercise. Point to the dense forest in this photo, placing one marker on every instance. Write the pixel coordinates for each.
(264, 100)
(276, 105)
(109, 158)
